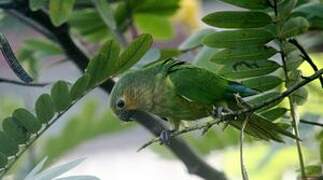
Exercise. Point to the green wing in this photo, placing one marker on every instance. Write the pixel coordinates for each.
(197, 84)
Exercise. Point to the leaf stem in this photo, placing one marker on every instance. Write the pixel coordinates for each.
(9, 81)
(293, 114)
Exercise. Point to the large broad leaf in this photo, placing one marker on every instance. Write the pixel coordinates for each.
(13, 129)
(238, 38)
(249, 4)
(106, 13)
(61, 96)
(35, 5)
(264, 97)
(3, 160)
(275, 113)
(7, 145)
(27, 120)
(245, 69)
(45, 108)
(294, 27)
(104, 64)
(285, 7)
(80, 86)
(195, 39)
(134, 52)
(310, 10)
(158, 7)
(245, 53)
(60, 10)
(264, 83)
(237, 19)
(159, 27)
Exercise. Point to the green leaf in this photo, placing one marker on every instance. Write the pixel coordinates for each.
(159, 27)
(134, 52)
(61, 96)
(156, 7)
(310, 10)
(7, 145)
(45, 108)
(13, 129)
(264, 97)
(27, 120)
(36, 169)
(169, 53)
(245, 53)
(238, 19)
(202, 59)
(293, 60)
(264, 83)
(294, 27)
(238, 38)
(195, 39)
(275, 113)
(80, 86)
(321, 151)
(106, 13)
(313, 170)
(35, 5)
(3, 160)
(285, 8)
(54, 172)
(104, 64)
(43, 47)
(249, 4)
(245, 69)
(300, 96)
(60, 10)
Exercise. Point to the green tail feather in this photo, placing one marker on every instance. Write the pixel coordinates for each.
(262, 128)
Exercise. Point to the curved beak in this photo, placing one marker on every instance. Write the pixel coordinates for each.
(126, 115)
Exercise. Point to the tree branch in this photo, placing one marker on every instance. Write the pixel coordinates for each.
(194, 164)
(9, 81)
(306, 57)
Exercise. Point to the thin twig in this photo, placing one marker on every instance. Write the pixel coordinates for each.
(306, 57)
(19, 83)
(231, 115)
(310, 123)
(293, 114)
(242, 165)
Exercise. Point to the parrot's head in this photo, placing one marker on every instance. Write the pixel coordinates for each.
(129, 95)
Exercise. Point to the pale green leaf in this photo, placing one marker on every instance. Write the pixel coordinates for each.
(3, 160)
(14, 130)
(158, 26)
(60, 10)
(31, 175)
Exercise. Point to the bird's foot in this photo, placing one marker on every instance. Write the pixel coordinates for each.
(218, 112)
(165, 136)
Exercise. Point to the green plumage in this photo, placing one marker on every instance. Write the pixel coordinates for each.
(179, 91)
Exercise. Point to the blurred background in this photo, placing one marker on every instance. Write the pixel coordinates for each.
(90, 130)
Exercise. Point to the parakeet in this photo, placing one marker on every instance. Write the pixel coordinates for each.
(179, 91)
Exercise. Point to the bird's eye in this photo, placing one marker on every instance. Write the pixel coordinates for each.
(120, 104)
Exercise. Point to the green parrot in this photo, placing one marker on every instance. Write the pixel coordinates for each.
(178, 91)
